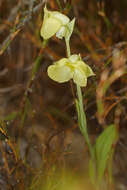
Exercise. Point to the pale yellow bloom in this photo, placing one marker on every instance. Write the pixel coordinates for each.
(54, 23)
(70, 68)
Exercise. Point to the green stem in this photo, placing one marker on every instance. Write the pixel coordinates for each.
(82, 120)
(80, 110)
(60, 7)
(68, 47)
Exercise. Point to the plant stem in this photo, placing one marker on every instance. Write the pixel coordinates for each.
(80, 111)
(68, 47)
(82, 121)
(60, 7)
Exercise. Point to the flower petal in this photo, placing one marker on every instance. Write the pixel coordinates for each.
(63, 18)
(50, 27)
(79, 77)
(89, 72)
(74, 58)
(85, 68)
(60, 73)
(61, 33)
(62, 62)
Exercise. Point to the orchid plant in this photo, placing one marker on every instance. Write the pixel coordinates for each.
(73, 67)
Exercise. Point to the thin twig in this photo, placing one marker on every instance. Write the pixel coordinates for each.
(118, 45)
(17, 28)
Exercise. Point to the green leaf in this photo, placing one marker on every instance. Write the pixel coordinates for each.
(92, 171)
(103, 148)
(109, 167)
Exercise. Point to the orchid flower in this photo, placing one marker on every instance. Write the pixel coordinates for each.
(56, 23)
(70, 68)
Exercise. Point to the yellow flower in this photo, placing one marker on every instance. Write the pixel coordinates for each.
(54, 23)
(70, 68)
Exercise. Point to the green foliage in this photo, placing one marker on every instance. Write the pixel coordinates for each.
(103, 150)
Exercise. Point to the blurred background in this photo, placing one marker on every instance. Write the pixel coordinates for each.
(39, 134)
